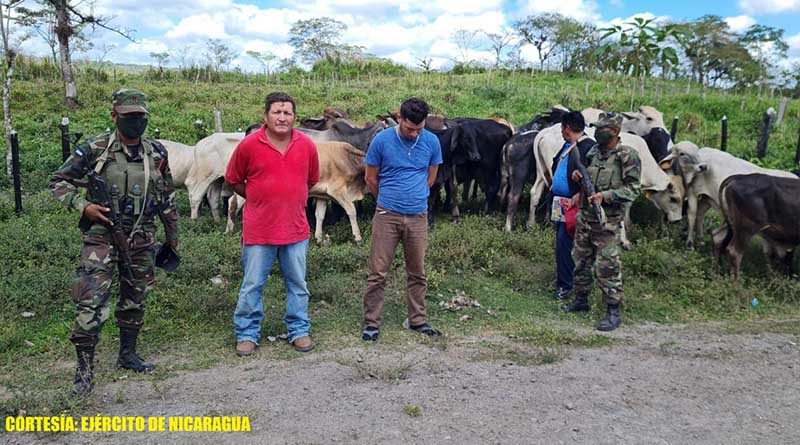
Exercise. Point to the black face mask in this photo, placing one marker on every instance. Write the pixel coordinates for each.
(132, 127)
(602, 136)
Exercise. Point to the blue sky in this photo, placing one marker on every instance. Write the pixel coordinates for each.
(404, 31)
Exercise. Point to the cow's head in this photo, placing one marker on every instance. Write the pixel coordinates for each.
(642, 122)
(684, 158)
(669, 200)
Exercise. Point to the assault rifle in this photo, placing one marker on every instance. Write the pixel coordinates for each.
(100, 195)
(587, 187)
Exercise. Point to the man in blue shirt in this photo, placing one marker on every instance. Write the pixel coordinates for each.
(564, 191)
(401, 167)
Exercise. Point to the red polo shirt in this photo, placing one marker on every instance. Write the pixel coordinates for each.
(276, 185)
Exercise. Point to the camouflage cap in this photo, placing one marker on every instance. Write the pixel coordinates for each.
(608, 119)
(128, 100)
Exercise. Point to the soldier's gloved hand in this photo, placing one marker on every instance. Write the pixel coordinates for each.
(577, 176)
(95, 213)
(597, 198)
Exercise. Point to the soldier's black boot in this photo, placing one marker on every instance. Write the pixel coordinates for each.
(613, 319)
(82, 384)
(128, 358)
(579, 304)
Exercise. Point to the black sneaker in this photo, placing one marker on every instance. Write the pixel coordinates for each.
(370, 334)
(425, 329)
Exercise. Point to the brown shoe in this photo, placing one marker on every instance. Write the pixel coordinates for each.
(303, 344)
(245, 348)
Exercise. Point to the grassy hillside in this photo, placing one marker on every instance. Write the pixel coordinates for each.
(188, 322)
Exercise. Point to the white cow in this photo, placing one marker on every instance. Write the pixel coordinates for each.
(211, 156)
(657, 185)
(181, 161)
(703, 170)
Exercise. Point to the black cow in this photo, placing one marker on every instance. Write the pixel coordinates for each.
(759, 204)
(478, 155)
(518, 163)
(445, 176)
(658, 143)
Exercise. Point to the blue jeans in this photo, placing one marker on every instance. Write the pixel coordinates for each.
(565, 266)
(257, 262)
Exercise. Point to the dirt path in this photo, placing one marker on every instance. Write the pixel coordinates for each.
(656, 384)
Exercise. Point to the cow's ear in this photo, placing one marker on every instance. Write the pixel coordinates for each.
(700, 168)
(666, 165)
(649, 193)
(628, 116)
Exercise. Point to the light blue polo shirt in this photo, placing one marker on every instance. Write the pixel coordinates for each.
(403, 169)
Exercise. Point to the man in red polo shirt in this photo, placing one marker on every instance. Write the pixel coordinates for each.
(273, 168)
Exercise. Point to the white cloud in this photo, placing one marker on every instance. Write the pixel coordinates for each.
(740, 22)
(201, 25)
(794, 45)
(583, 10)
(762, 7)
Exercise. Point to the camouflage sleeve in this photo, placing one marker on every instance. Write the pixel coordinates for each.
(168, 213)
(631, 167)
(62, 183)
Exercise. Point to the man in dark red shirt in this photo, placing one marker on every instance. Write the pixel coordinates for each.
(273, 168)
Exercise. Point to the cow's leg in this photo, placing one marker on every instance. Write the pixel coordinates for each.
(213, 194)
(465, 191)
(702, 207)
(350, 209)
(514, 195)
(432, 202)
(691, 216)
(536, 195)
(319, 215)
(233, 209)
(450, 188)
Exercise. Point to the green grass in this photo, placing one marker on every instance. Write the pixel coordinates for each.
(188, 322)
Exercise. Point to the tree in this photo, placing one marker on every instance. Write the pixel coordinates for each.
(499, 42)
(219, 54)
(767, 46)
(540, 31)
(465, 41)
(317, 38)
(644, 45)
(10, 51)
(70, 23)
(425, 64)
(264, 59)
(162, 59)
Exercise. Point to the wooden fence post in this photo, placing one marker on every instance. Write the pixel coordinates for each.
(674, 131)
(66, 149)
(723, 145)
(15, 172)
(763, 138)
(782, 110)
(217, 121)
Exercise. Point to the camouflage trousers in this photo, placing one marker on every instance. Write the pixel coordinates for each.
(91, 288)
(597, 247)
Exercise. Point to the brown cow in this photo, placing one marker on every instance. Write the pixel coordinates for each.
(759, 204)
(341, 178)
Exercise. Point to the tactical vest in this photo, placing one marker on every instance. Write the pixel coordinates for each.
(126, 181)
(606, 174)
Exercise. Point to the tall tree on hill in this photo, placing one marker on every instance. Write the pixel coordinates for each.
(767, 46)
(316, 39)
(70, 22)
(499, 42)
(10, 51)
(541, 31)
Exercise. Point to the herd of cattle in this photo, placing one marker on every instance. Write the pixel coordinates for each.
(501, 159)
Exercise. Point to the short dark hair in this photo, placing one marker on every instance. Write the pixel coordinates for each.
(278, 96)
(414, 109)
(574, 120)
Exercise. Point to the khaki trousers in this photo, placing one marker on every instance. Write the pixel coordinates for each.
(388, 229)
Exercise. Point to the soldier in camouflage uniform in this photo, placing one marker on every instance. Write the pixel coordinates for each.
(124, 159)
(615, 170)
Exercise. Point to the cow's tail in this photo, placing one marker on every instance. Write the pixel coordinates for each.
(720, 248)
